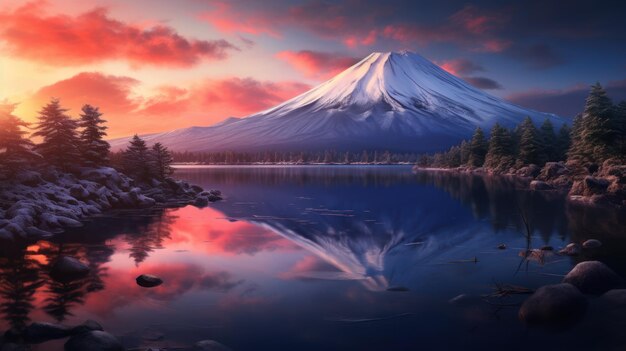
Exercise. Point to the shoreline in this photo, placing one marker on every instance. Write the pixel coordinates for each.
(39, 204)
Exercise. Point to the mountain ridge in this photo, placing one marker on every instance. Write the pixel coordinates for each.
(387, 101)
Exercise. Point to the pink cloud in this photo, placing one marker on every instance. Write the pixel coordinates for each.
(30, 33)
(315, 64)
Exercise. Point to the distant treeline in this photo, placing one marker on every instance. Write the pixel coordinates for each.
(321, 157)
(597, 134)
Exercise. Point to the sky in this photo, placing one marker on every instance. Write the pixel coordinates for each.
(158, 65)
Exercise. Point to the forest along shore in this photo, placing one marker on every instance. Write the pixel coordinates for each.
(587, 160)
(69, 175)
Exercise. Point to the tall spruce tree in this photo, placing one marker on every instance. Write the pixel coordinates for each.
(59, 147)
(577, 150)
(529, 146)
(598, 127)
(161, 161)
(499, 156)
(620, 121)
(563, 142)
(15, 148)
(547, 143)
(136, 160)
(94, 149)
(477, 148)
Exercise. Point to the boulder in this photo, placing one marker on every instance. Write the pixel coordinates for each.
(210, 345)
(39, 332)
(540, 185)
(149, 281)
(594, 185)
(592, 244)
(67, 269)
(553, 170)
(593, 277)
(572, 249)
(93, 341)
(87, 326)
(616, 298)
(554, 306)
(530, 171)
(201, 201)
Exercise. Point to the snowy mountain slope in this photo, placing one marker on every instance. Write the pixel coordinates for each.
(392, 101)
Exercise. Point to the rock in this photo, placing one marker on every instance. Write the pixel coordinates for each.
(87, 326)
(615, 298)
(594, 186)
(149, 281)
(592, 244)
(530, 171)
(546, 248)
(67, 269)
(213, 198)
(201, 201)
(572, 249)
(196, 189)
(397, 289)
(93, 341)
(210, 345)
(593, 277)
(502, 247)
(39, 332)
(540, 185)
(553, 170)
(554, 306)
(13, 347)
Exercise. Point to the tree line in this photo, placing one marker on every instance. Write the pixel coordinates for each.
(596, 135)
(69, 144)
(311, 157)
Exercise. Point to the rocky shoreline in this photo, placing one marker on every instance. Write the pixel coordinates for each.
(38, 204)
(593, 185)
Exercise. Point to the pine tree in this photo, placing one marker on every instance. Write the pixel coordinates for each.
(577, 151)
(529, 146)
(136, 160)
(499, 156)
(15, 149)
(620, 121)
(465, 152)
(547, 143)
(60, 141)
(161, 161)
(478, 149)
(598, 131)
(563, 142)
(95, 151)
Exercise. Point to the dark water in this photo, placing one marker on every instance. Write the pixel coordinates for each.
(301, 258)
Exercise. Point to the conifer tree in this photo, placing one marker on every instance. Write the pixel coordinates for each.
(136, 160)
(563, 142)
(577, 151)
(161, 161)
(598, 127)
(94, 149)
(15, 148)
(464, 152)
(620, 121)
(59, 133)
(547, 143)
(478, 149)
(499, 156)
(529, 147)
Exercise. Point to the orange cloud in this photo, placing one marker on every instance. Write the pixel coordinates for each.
(315, 64)
(202, 103)
(30, 33)
(460, 67)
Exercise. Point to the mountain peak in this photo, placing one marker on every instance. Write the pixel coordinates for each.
(397, 101)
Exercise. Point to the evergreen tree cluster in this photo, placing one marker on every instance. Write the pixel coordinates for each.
(68, 144)
(597, 134)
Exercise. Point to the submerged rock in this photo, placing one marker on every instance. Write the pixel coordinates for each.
(93, 341)
(502, 247)
(546, 248)
(592, 244)
(87, 326)
(572, 249)
(554, 306)
(616, 298)
(397, 289)
(149, 281)
(67, 269)
(593, 277)
(210, 345)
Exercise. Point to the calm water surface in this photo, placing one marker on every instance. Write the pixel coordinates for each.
(303, 258)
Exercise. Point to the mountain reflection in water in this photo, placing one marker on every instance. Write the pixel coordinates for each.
(294, 250)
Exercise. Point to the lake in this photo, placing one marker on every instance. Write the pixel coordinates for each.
(322, 258)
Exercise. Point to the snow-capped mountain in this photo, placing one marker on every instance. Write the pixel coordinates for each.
(387, 101)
